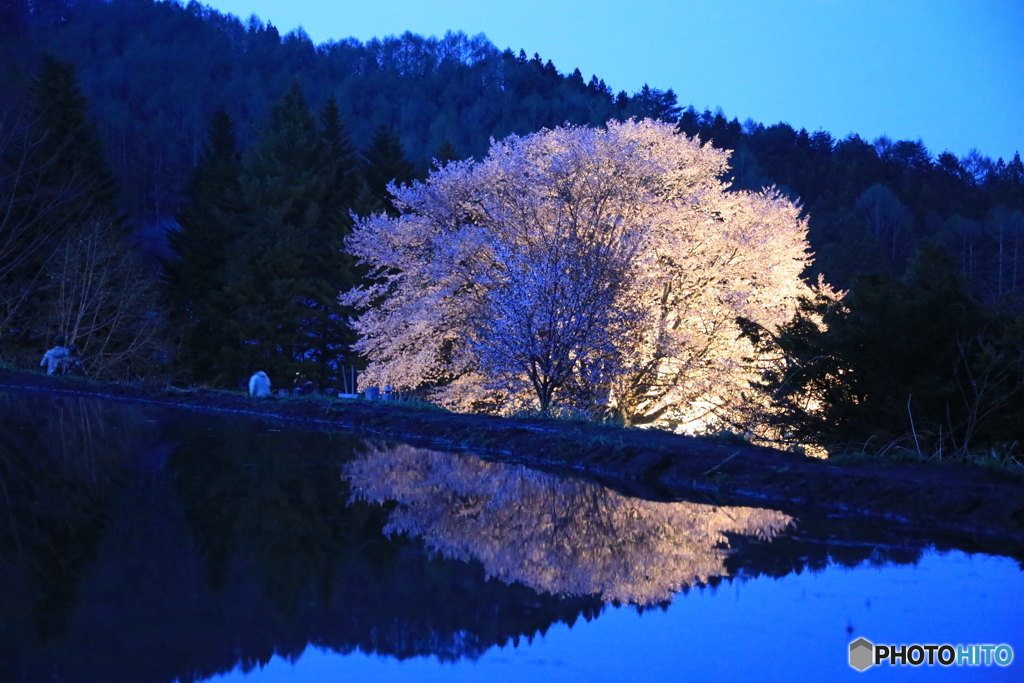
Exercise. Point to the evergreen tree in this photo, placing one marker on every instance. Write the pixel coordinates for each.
(655, 104)
(60, 114)
(342, 159)
(385, 162)
(87, 284)
(196, 274)
(344, 188)
(55, 176)
(445, 153)
(287, 267)
(913, 362)
(55, 183)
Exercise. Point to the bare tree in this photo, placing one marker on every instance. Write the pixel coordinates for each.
(885, 216)
(66, 267)
(103, 300)
(34, 213)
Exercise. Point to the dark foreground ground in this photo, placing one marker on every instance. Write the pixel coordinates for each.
(948, 504)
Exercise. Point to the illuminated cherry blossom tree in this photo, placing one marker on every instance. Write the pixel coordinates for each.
(600, 268)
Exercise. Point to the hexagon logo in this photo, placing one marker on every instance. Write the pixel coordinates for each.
(862, 654)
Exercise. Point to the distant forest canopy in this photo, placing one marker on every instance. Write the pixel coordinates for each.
(156, 72)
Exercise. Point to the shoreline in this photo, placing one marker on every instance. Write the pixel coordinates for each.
(965, 506)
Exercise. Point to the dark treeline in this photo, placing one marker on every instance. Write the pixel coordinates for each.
(872, 205)
(233, 157)
(925, 354)
(156, 72)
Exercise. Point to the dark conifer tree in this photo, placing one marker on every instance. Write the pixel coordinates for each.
(913, 362)
(287, 267)
(60, 114)
(342, 158)
(88, 285)
(56, 181)
(655, 104)
(340, 268)
(196, 274)
(386, 162)
(445, 153)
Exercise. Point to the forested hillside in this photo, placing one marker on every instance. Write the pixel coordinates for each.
(156, 72)
(177, 185)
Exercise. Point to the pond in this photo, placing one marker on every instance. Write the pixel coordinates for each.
(143, 544)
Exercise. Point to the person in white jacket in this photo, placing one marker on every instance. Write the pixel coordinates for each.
(57, 359)
(259, 384)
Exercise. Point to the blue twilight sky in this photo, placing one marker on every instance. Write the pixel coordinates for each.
(950, 72)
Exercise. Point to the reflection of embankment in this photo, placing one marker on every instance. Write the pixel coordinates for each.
(565, 537)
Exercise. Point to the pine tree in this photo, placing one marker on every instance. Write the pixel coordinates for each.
(286, 269)
(341, 158)
(195, 276)
(915, 362)
(69, 137)
(445, 153)
(55, 181)
(345, 187)
(385, 162)
(54, 174)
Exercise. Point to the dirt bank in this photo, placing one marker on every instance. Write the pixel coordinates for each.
(963, 506)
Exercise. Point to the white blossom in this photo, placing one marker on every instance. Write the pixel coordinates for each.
(603, 268)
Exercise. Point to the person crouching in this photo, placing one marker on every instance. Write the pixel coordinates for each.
(58, 358)
(259, 384)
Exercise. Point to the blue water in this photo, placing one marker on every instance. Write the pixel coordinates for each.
(797, 627)
(146, 545)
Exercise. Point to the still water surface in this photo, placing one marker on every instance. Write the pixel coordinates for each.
(146, 545)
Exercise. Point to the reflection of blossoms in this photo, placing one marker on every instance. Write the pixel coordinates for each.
(562, 536)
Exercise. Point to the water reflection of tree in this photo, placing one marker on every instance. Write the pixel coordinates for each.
(237, 547)
(61, 458)
(244, 543)
(267, 508)
(561, 536)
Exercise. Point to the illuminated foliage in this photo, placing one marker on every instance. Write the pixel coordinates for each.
(599, 268)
